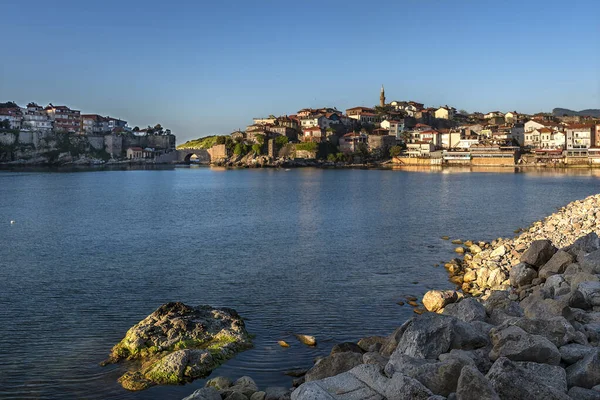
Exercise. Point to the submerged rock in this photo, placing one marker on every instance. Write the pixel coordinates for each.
(178, 343)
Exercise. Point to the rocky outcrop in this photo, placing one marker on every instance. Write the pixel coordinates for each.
(178, 343)
(532, 329)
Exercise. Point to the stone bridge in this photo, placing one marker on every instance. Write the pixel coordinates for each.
(199, 155)
(203, 156)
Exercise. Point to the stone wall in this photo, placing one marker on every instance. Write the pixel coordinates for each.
(493, 161)
(113, 144)
(7, 138)
(416, 161)
(96, 142)
(218, 152)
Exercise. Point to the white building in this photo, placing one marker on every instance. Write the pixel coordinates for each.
(578, 136)
(36, 119)
(394, 127)
(13, 115)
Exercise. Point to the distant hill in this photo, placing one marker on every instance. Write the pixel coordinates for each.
(592, 112)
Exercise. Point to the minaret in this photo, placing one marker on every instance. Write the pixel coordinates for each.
(382, 97)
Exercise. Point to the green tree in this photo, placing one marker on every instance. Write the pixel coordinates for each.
(5, 124)
(395, 151)
(363, 149)
(240, 149)
(331, 157)
(260, 139)
(256, 148)
(281, 140)
(136, 128)
(220, 140)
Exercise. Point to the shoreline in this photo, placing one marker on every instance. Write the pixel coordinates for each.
(531, 330)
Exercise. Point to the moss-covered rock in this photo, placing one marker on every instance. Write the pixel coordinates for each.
(178, 343)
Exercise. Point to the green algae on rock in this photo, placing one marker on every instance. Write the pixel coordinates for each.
(178, 343)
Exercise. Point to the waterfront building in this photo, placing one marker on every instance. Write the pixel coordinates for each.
(115, 123)
(579, 136)
(350, 142)
(36, 119)
(64, 118)
(93, 124)
(450, 139)
(420, 149)
(14, 115)
(313, 134)
(134, 153)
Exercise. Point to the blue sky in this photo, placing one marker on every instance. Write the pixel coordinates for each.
(202, 67)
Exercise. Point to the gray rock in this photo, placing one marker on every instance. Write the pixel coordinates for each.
(346, 346)
(277, 393)
(467, 310)
(236, 396)
(579, 277)
(538, 253)
(219, 382)
(547, 308)
(556, 265)
(517, 381)
(573, 352)
(592, 261)
(333, 365)
(557, 330)
(479, 358)
(375, 358)
(258, 396)
(517, 345)
(244, 385)
(206, 393)
(372, 343)
(482, 327)
(522, 274)
(580, 393)
(472, 385)
(440, 377)
(592, 332)
(433, 334)
(591, 292)
(392, 341)
(584, 245)
(437, 397)
(397, 387)
(585, 372)
(344, 386)
(554, 283)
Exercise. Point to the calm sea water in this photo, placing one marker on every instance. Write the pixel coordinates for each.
(320, 252)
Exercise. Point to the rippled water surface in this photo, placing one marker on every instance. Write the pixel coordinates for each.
(320, 252)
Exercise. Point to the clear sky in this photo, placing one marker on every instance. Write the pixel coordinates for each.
(205, 67)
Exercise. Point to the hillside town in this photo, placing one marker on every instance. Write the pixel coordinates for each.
(38, 134)
(410, 133)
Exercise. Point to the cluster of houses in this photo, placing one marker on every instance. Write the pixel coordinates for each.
(63, 120)
(442, 133)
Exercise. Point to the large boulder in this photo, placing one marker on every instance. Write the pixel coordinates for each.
(526, 380)
(580, 393)
(467, 310)
(244, 386)
(584, 245)
(522, 274)
(585, 373)
(433, 334)
(472, 385)
(591, 261)
(479, 358)
(178, 343)
(514, 343)
(333, 364)
(441, 377)
(573, 352)
(557, 329)
(391, 342)
(556, 265)
(588, 294)
(538, 253)
(435, 300)
(207, 393)
(362, 382)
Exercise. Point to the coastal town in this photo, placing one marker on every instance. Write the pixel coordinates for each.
(393, 133)
(37, 135)
(410, 133)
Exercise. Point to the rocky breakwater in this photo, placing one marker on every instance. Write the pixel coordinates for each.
(533, 333)
(178, 343)
(487, 266)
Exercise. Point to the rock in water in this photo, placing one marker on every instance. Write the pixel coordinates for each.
(435, 300)
(307, 340)
(178, 343)
(283, 343)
